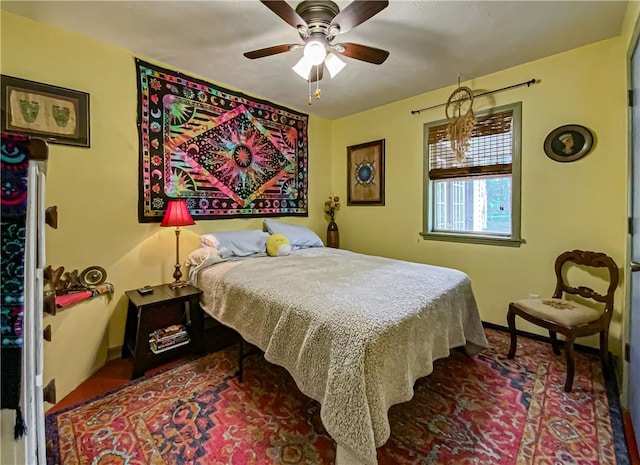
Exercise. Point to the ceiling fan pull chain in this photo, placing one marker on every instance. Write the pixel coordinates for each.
(310, 99)
(318, 90)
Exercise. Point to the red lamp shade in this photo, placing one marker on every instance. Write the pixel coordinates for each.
(177, 214)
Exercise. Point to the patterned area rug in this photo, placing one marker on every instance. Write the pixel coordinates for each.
(471, 410)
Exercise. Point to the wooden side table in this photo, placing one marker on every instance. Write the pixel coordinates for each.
(162, 308)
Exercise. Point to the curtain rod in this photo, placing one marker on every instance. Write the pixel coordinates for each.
(526, 83)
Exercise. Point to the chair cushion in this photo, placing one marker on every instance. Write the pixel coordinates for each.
(564, 312)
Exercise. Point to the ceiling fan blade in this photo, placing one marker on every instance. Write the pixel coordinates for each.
(265, 52)
(284, 10)
(362, 52)
(316, 73)
(357, 12)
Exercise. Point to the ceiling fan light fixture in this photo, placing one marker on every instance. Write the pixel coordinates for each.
(318, 22)
(303, 68)
(334, 64)
(315, 52)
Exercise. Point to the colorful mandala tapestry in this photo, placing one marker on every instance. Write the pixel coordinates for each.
(228, 154)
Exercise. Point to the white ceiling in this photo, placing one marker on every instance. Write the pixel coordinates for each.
(431, 43)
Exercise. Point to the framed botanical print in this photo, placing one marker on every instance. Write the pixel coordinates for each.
(365, 173)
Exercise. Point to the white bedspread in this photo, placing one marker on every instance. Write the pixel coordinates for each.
(355, 331)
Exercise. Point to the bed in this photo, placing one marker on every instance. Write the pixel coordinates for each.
(355, 331)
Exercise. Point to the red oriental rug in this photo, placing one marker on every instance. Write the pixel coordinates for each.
(484, 409)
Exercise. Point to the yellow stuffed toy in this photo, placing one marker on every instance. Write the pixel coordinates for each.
(278, 245)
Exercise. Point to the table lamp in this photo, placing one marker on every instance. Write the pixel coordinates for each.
(177, 215)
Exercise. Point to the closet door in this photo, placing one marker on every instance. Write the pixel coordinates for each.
(633, 368)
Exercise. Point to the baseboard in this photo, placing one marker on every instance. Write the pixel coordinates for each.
(114, 353)
(539, 337)
(613, 369)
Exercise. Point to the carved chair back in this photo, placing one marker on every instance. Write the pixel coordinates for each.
(588, 259)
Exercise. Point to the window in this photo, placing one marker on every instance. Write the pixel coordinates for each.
(477, 200)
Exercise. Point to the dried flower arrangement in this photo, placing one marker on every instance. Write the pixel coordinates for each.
(331, 205)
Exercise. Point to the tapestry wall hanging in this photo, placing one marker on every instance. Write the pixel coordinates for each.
(229, 155)
(13, 214)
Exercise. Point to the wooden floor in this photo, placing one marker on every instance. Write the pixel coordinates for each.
(117, 373)
(113, 375)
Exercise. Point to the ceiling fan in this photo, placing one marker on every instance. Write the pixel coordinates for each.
(318, 23)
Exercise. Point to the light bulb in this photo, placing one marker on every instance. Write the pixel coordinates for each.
(315, 52)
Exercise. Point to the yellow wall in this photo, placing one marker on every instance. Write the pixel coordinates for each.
(96, 190)
(564, 205)
(630, 23)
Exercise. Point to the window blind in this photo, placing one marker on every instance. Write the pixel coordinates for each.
(490, 150)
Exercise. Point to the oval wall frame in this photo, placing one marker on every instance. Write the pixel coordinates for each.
(568, 143)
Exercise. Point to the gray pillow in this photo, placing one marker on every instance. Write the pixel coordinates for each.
(300, 237)
(238, 243)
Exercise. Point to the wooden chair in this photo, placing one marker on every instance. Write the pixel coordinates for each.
(568, 317)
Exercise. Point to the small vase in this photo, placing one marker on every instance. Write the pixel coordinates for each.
(333, 235)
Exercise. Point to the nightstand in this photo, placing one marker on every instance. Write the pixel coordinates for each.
(160, 309)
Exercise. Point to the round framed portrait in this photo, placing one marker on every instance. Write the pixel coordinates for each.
(568, 143)
(93, 276)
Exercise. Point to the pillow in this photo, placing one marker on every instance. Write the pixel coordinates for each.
(200, 255)
(208, 240)
(300, 237)
(200, 259)
(239, 243)
(278, 245)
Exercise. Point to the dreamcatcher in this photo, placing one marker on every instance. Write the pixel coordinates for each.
(461, 123)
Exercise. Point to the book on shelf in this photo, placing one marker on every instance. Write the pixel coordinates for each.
(170, 342)
(168, 331)
(157, 350)
(169, 339)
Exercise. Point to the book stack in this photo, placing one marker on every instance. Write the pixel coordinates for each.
(168, 338)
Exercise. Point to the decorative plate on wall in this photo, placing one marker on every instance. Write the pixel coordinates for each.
(93, 276)
(568, 143)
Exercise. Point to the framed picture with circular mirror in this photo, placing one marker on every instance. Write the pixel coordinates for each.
(568, 143)
(365, 171)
